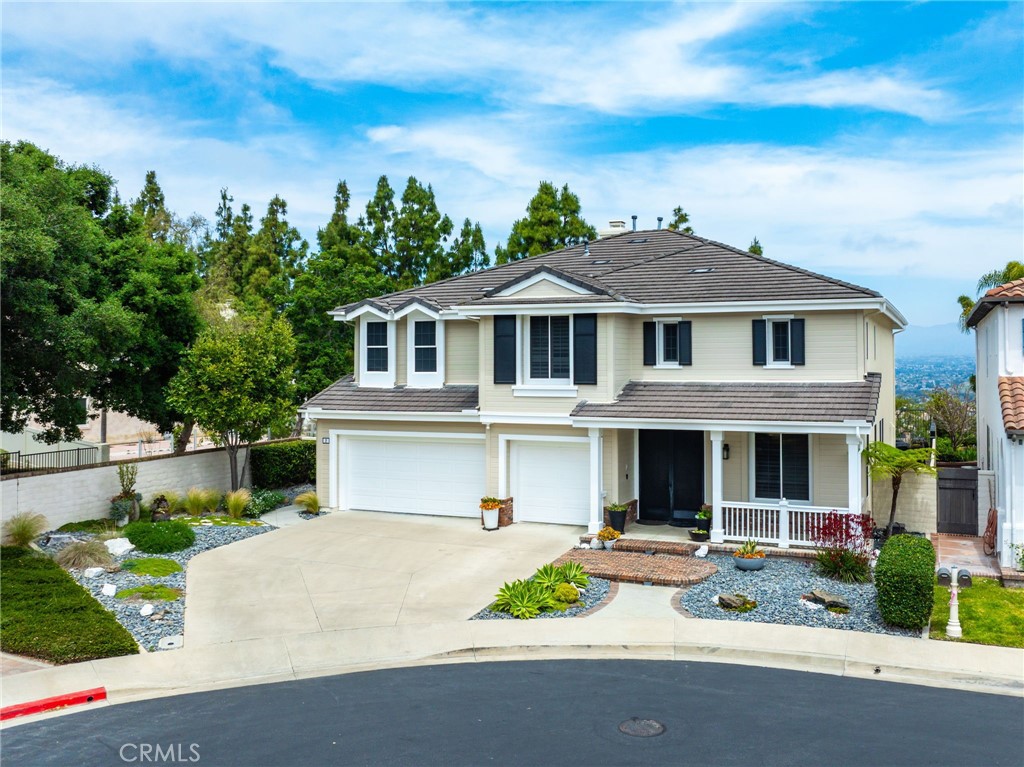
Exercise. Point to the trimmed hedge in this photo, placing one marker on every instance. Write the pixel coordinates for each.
(284, 464)
(47, 615)
(904, 579)
(160, 537)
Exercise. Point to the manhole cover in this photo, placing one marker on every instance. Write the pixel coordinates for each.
(641, 728)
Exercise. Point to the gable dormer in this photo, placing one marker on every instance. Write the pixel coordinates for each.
(546, 282)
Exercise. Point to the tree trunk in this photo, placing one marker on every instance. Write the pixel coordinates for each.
(187, 425)
(892, 512)
(245, 462)
(232, 451)
(299, 420)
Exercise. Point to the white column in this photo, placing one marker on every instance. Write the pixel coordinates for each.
(854, 467)
(717, 520)
(596, 481)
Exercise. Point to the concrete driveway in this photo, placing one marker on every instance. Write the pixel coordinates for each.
(357, 570)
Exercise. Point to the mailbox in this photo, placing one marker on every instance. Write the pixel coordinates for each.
(945, 577)
(963, 578)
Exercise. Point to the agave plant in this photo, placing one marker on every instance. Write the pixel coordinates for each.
(549, 576)
(572, 572)
(522, 599)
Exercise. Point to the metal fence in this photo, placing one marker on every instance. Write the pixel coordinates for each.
(913, 427)
(17, 462)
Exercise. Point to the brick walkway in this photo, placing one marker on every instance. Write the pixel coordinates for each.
(637, 567)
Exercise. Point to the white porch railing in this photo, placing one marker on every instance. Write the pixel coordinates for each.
(778, 524)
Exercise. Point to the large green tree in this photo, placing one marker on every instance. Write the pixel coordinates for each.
(236, 382)
(341, 272)
(468, 253)
(63, 327)
(274, 258)
(1014, 270)
(378, 227)
(552, 221)
(421, 232)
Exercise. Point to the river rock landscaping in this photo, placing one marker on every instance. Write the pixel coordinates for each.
(167, 618)
(778, 590)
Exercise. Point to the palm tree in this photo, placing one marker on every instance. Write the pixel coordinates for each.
(1014, 270)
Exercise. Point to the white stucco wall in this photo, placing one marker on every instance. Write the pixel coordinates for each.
(76, 495)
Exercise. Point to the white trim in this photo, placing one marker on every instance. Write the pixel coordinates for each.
(364, 309)
(717, 530)
(771, 320)
(552, 390)
(779, 317)
(659, 343)
(425, 380)
(752, 471)
(536, 419)
(417, 307)
(378, 379)
(853, 469)
(408, 434)
(525, 380)
(636, 465)
(391, 415)
(543, 277)
(778, 427)
(596, 480)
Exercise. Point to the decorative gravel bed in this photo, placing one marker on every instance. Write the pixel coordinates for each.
(777, 590)
(592, 596)
(168, 618)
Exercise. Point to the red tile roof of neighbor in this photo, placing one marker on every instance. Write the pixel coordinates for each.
(1013, 289)
(1012, 292)
(1011, 397)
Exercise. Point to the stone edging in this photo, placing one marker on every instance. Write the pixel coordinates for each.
(613, 591)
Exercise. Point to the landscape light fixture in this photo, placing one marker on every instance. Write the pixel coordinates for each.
(725, 451)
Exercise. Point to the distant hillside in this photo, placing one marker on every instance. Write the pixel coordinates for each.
(934, 341)
(916, 376)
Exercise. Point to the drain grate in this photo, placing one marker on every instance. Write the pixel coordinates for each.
(641, 728)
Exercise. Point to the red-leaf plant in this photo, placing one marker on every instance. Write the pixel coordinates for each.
(835, 533)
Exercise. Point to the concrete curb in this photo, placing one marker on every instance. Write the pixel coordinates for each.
(827, 651)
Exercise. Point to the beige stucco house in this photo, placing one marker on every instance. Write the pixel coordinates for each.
(650, 365)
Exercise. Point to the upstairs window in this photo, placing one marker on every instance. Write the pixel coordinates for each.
(425, 346)
(778, 342)
(779, 346)
(550, 349)
(377, 347)
(669, 343)
(782, 467)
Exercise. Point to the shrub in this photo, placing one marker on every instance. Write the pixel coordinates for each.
(264, 501)
(566, 592)
(904, 578)
(154, 566)
(160, 537)
(47, 615)
(236, 501)
(283, 464)
(309, 502)
(87, 526)
(23, 528)
(523, 599)
(211, 500)
(844, 543)
(151, 592)
(82, 554)
(167, 502)
(572, 572)
(198, 502)
(549, 576)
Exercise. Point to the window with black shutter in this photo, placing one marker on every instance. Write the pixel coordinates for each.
(549, 348)
(778, 342)
(782, 466)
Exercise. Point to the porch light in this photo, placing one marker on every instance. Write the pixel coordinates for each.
(725, 451)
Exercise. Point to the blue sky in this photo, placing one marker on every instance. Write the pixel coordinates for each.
(876, 142)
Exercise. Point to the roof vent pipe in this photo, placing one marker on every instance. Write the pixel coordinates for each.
(586, 249)
(660, 218)
(634, 222)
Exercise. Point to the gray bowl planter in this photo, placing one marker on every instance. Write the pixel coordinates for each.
(749, 564)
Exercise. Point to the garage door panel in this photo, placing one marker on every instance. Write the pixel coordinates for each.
(424, 476)
(552, 481)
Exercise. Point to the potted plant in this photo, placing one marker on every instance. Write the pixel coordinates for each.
(617, 515)
(490, 508)
(124, 507)
(608, 535)
(749, 556)
(703, 529)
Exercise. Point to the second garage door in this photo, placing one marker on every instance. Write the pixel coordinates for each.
(551, 481)
(413, 475)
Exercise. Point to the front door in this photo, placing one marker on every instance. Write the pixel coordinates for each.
(671, 475)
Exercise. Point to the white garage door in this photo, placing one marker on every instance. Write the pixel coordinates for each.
(551, 481)
(413, 476)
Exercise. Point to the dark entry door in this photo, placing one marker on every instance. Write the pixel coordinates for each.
(958, 501)
(671, 474)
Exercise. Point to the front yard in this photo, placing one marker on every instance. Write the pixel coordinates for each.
(989, 614)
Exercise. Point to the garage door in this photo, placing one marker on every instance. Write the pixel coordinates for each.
(413, 476)
(551, 481)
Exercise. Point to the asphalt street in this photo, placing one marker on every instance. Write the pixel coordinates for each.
(541, 713)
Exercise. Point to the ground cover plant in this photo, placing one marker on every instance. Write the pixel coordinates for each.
(264, 501)
(47, 615)
(159, 537)
(218, 521)
(156, 567)
(88, 526)
(989, 614)
(151, 592)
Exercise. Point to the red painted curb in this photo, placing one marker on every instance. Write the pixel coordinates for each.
(49, 704)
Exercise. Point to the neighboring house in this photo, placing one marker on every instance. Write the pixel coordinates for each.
(650, 365)
(998, 321)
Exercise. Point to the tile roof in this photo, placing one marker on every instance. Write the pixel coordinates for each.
(830, 401)
(1011, 397)
(1012, 292)
(344, 395)
(661, 266)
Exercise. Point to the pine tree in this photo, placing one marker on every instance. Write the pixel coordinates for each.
(468, 253)
(755, 247)
(552, 221)
(378, 226)
(151, 206)
(420, 235)
(273, 260)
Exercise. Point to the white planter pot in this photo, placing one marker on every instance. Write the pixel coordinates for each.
(491, 519)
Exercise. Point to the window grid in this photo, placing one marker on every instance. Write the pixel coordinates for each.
(376, 347)
(425, 343)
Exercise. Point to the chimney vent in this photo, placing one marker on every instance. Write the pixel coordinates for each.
(634, 222)
(586, 249)
(660, 219)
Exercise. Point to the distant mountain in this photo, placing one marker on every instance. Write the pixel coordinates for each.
(934, 341)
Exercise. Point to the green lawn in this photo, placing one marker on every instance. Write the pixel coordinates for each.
(45, 614)
(989, 614)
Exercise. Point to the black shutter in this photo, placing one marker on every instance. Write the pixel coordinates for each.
(760, 342)
(685, 343)
(584, 353)
(650, 343)
(796, 342)
(504, 349)
(796, 467)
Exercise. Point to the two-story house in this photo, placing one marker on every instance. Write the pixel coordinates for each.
(649, 365)
(998, 321)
